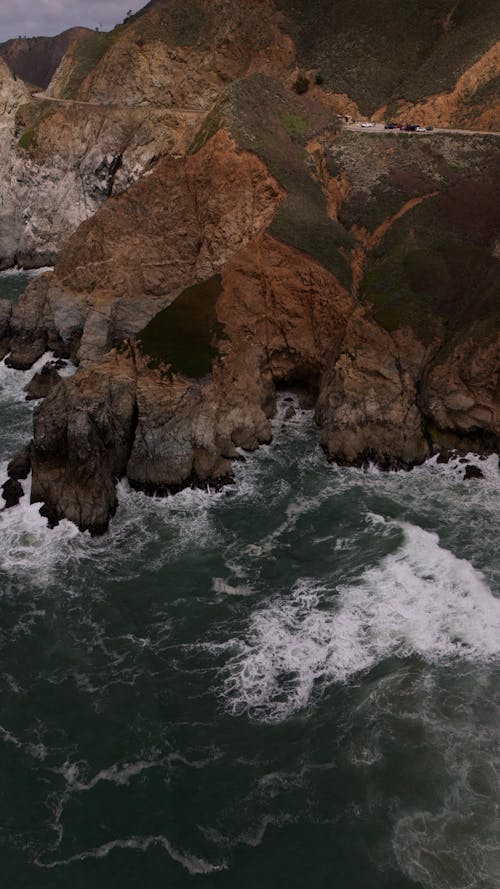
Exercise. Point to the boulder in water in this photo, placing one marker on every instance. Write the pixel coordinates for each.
(473, 472)
(20, 465)
(12, 491)
(42, 383)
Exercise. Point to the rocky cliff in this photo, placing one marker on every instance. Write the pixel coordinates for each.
(266, 249)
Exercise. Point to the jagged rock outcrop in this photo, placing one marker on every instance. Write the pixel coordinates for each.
(462, 394)
(31, 327)
(12, 491)
(20, 465)
(367, 407)
(285, 319)
(83, 436)
(122, 416)
(117, 271)
(42, 383)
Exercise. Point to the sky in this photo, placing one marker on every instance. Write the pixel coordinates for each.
(36, 18)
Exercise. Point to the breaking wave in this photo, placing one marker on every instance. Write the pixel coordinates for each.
(421, 601)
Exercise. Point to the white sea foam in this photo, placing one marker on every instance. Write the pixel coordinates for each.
(12, 382)
(119, 774)
(421, 600)
(192, 863)
(30, 273)
(224, 588)
(27, 537)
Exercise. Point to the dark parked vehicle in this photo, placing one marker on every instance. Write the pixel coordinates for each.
(429, 129)
(390, 126)
(410, 128)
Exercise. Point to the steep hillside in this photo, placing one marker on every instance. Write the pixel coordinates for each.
(36, 59)
(177, 54)
(142, 90)
(382, 53)
(13, 93)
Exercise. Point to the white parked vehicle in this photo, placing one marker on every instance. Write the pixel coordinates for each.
(421, 130)
(367, 123)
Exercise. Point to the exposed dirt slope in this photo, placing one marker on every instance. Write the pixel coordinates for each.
(177, 54)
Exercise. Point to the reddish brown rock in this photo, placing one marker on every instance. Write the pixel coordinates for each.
(367, 407)
(461, 396)
(83, 433)
(42, 383)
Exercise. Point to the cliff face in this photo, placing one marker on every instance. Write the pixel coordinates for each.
(177, 430)
(177, 55)
(12, 94)
(124, 99)
(177, 226)
(234, 241)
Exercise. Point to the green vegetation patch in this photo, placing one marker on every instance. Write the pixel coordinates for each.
(276, 124)
(27, 139)
(86, 54)
(210, 126)
(435, 271)
(184, 336)
(177, 23)
(294, 124)
(28, 119)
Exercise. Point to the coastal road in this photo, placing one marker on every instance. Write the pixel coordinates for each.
(379, 128)
(185, 112)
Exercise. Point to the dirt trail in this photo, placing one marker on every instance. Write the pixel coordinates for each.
(43, 97)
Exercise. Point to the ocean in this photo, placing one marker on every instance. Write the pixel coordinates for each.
(291, 683)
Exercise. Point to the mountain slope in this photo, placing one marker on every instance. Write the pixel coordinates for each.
(381, 53)
(36, 59)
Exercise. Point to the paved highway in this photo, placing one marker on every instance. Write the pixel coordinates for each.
(379, 128)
